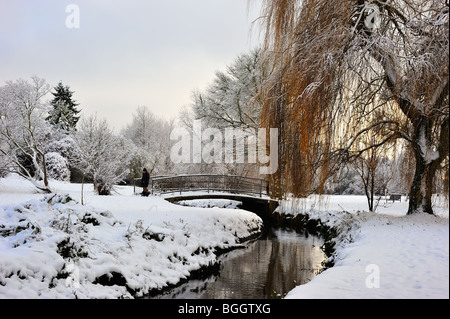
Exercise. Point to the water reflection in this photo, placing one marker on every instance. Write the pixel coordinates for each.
(268, 268)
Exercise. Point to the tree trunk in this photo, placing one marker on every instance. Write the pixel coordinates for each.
(422, 184)
(372, 189)
(421, 188)
(44, 170)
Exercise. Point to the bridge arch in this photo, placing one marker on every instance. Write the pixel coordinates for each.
(263, 207)
(253, 193)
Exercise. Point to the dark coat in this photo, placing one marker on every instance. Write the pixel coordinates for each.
(145, 179)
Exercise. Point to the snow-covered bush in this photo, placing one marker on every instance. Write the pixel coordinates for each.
(57, 167)
(65, 146)
(103, 155)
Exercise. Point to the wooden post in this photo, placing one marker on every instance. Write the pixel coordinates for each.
(260, 188)
(181, 184)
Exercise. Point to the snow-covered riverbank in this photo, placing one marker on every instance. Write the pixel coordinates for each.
(380, 255)
(53, 247)
(115, 246)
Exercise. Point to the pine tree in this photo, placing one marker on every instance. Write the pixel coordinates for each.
(64, 112)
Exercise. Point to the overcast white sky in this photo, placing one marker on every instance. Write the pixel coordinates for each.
(125, 53)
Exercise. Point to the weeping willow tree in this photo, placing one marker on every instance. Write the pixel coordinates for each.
(349, 69)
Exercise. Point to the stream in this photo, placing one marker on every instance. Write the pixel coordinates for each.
(268, 267)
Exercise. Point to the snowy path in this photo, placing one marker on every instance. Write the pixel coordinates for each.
(384, 255)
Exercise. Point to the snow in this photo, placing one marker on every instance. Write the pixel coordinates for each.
(209, 203)
(148, 241)
(151, 243)
(383, 255)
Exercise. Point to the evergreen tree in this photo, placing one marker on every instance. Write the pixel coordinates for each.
(64, 112)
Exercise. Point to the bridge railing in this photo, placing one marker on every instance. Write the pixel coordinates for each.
(209, 183)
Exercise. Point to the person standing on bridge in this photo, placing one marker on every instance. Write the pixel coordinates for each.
(144, 182)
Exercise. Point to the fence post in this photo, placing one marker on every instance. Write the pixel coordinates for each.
(260, 188)
(181, 184)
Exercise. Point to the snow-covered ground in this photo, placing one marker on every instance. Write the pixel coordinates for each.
(382, 255)
(145, 241)
(150, 243)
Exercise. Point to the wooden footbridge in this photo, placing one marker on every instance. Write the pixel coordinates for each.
(253, 193)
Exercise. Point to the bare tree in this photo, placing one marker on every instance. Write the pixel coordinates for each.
(23, 130)
(101, 154)
(151, 136)
(351, 68)
(371, 168)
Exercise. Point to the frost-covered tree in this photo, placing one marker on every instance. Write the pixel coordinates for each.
(226, 101)
(101, 154)
(151, 136)
(64, 113)
(231, 102)
(23, 131)
(348, 69)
